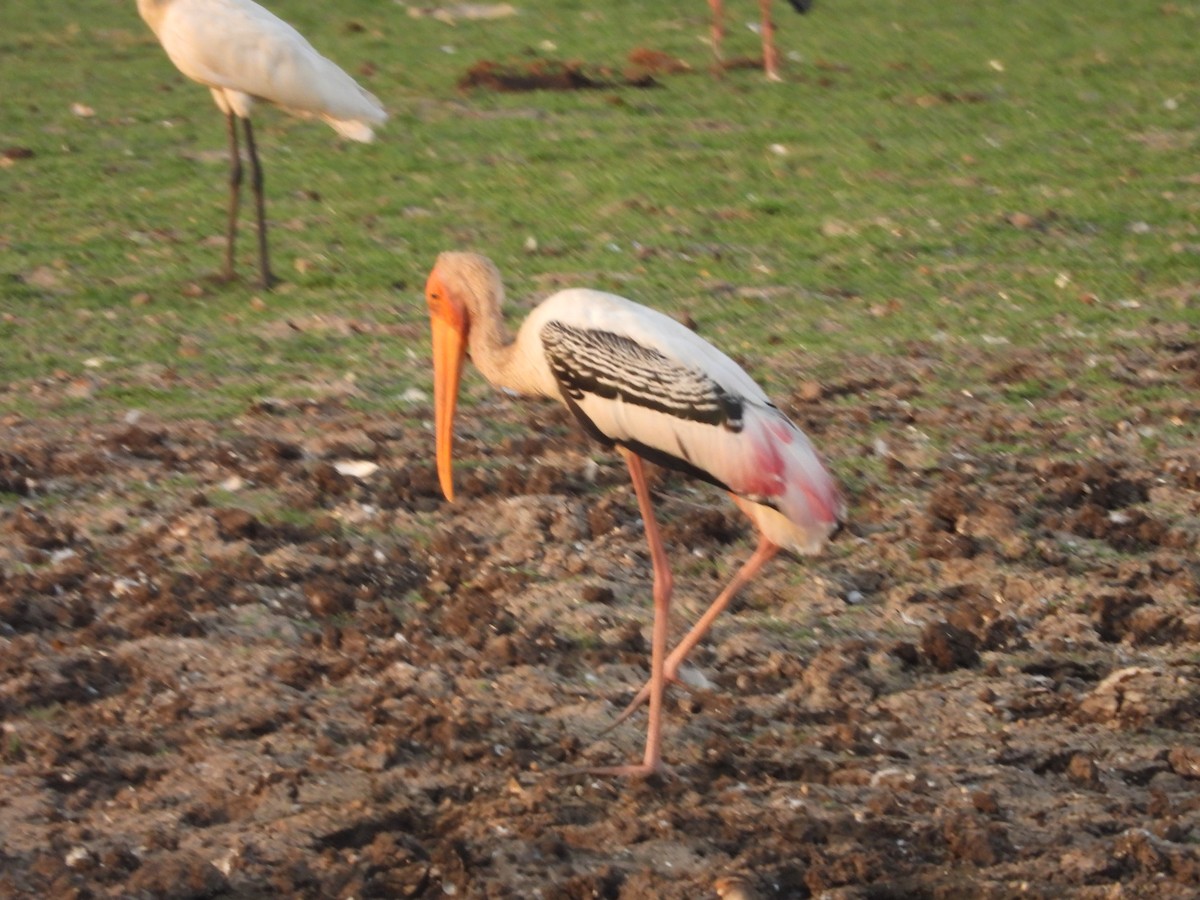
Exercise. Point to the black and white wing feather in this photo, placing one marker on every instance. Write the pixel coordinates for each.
(635, 377)
(618, 368)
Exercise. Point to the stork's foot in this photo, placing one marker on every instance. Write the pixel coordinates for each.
(643, 696)
(638, 699)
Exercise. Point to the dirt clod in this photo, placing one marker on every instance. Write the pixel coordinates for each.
(948, 647)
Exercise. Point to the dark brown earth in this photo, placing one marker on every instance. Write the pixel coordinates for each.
(233, 666)
(550, 75)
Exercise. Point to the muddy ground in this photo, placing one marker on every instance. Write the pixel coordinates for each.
(234, 665)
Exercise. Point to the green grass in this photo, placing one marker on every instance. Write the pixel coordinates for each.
(867, 203)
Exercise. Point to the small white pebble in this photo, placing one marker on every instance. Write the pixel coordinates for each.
(356, 468)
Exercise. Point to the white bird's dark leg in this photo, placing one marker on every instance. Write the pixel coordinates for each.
(663, 582)
(717, 30)
(770, 55)
(762, 554)
(235, 193)
(256, 182)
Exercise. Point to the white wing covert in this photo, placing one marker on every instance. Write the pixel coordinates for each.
(238, 46)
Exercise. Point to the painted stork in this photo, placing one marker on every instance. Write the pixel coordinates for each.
(244, 53)
(766, 29)
(639, 380)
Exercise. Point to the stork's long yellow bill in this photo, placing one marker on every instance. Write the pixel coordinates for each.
(449, 350)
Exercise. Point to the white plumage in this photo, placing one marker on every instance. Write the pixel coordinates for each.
(243, 53)
(640, 380)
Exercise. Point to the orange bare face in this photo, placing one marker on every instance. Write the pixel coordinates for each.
(448, 321)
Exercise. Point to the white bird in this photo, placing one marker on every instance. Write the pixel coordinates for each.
(244, 53)
(637, 379)
(766, 29)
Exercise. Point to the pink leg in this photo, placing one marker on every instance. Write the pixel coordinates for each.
(770, 57)
(764, 552)
(663, 582)
(717, 30)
